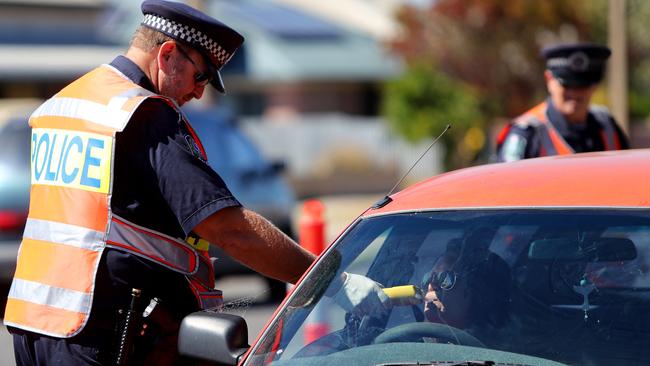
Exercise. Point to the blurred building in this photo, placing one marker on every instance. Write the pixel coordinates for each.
(45, 44)
(303, 63)
(293, 61)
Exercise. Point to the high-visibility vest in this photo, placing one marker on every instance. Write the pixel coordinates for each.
(552, 141)
(70, 220)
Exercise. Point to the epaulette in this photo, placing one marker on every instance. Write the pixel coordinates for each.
(601, 114)
(527, 120)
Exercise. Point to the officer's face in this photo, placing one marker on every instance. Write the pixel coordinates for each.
(180, 79)
(571, 102)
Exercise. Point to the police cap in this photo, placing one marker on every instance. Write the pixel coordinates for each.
(579, 64)
(214, 40)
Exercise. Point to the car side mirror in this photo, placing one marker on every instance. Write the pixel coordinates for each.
(278, 166)
(217, 337)
(274, 168)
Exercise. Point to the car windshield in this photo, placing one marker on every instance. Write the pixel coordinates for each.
(525, 287)
(230, 152)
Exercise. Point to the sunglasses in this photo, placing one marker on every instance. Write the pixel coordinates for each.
(444, 280)
(201, 78)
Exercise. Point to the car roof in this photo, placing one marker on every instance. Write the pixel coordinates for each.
(604, 179)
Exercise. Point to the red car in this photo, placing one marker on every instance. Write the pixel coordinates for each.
(537, 262)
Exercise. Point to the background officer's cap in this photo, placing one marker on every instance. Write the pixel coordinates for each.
(580, 64)
(214, 40)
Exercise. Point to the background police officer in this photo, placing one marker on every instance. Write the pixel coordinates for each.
(565, 123)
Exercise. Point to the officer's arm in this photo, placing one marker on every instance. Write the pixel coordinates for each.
(254, 241)
(514, 146)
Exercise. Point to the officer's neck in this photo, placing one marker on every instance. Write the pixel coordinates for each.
(576, 118)
(572, 115)
(147, 62)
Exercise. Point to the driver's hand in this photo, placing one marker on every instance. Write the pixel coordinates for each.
(432, 305)
(361, 295)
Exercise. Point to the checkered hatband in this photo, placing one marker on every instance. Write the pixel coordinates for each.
(188, 34)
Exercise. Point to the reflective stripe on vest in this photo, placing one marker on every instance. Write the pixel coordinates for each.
(608, 133)
(69, 221)
(172, 253)
(552, 141)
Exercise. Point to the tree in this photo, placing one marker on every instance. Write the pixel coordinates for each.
(424, 101)
(639, 58)
(489, 49)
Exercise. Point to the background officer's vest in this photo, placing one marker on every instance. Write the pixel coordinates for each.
(552, 141)
(70, 221)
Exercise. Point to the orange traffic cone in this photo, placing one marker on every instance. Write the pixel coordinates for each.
(312, 238)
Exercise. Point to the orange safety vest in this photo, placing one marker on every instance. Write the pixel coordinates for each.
(70, 221)
(552, 141)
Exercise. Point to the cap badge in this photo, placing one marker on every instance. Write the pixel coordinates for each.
(578, 61)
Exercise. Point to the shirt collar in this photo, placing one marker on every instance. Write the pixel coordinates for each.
(132, 71)
(560, 123)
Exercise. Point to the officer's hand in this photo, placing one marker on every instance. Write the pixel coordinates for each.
(361, 295)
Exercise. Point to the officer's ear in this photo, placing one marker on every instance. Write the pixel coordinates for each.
(548, 75)
(165, 56)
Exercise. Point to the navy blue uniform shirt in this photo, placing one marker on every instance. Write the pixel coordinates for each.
(523, 143)
(161, 184)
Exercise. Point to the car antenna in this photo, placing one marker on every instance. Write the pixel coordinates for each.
(386, 200)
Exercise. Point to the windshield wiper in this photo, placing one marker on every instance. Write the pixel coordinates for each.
(443, 363)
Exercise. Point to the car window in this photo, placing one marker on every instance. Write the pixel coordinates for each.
(230, 152)
(14, 144)
(626, 274)
(242, 152)
(14, 164)
(524, 286)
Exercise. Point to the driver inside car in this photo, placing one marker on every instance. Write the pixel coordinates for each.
(468, 286)
(443, 282)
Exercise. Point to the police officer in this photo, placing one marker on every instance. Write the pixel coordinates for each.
(124, 205)
(565, 123)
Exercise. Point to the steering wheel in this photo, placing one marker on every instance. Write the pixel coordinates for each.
(329, 343)
(414, 332)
